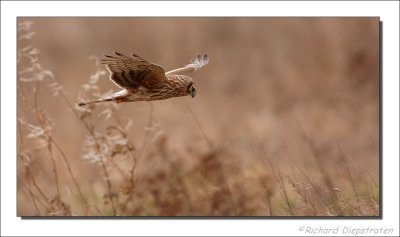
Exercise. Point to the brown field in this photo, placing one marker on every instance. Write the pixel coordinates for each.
(285, 121)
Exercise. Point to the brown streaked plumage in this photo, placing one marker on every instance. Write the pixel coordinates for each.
(141, 80)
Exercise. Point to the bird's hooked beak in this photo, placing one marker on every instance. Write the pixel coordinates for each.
(193, 93)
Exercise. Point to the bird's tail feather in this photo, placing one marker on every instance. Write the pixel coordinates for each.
(94, 102)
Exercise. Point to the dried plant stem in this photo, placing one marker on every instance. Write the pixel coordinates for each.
(215, 151)
(314, 186)
(54, 167)
(147, 134)
(201, 128)
(116, 166)
(348, 171)
(269, 205)
(32, 184)
(29, 188)
(278, 177)
(131, 183)
(51, 141)
(21, 137)
(32, 196)
(135, 159)
(44, 126)
(33, 181)
(64, 157)
(97, 145)
(105, 171)
(109, 186)
(325, 174)
(282, 189)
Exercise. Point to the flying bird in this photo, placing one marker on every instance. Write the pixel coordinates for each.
(141, 80)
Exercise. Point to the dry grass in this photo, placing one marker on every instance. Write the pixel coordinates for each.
(294, 132)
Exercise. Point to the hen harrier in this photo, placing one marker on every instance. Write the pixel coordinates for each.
(145, 81)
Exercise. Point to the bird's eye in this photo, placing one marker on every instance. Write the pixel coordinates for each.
(191, 89)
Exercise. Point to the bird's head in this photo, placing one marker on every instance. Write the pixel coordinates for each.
(191, 89)
(182, 85)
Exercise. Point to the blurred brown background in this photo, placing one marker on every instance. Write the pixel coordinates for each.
(272, 87)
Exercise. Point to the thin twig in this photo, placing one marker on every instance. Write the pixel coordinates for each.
(64, 157)
(97, 145)
(278, 178)
(43, 125)
(32, 196)
(199, 125)
(343, 156)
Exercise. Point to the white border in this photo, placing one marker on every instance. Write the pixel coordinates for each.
(11, 225)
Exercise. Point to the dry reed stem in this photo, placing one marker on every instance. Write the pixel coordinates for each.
(214, 154)
(348, 171)
(44, 126)
(69, 169)
(200, 127)
(32, 197)
(332, 197)
(97, 145)
(279, 180)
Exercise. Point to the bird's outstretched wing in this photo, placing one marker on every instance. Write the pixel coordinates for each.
(133, 72)
(195, 64)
